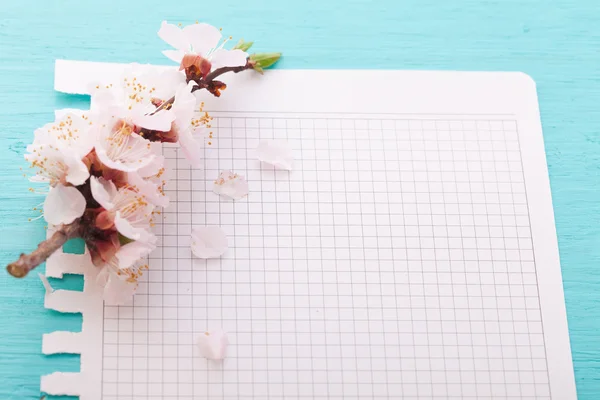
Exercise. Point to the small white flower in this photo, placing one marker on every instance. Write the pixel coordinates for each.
(231, 185)
(275, 152)
(63, 205)
(127, 209)
(213, 345)
(200, 40)
(58, 150)
(118, 147)
(209, 242)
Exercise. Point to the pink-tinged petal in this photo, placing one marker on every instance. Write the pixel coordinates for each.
(228, 58)
(231, 185)
(126, 229)
(161, 121)
(184, 105)
(148, 189)
(153, 169)
(131, 253)
(174, 36)
(191, 147)
(84, 136)
(103, 191)
(102, 99)
(102, 277)
(175, 55)
(202, 37)
(118, 291)
(209, 242)
(63, 205)
(47, 285)
(77, 171)
(213, 345)
(135, 154)
(277, 153)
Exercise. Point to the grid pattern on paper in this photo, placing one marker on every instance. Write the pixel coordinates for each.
(394, 261)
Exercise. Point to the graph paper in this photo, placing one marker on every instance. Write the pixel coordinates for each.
(405, 256)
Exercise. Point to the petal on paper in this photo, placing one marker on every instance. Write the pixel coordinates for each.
(202, 37)
(213, 344)
(174, 36)
(228, 58)
(77, 171)
(231, 185)
(209, 242)
(63, 205)
(175, 55)
(117, 291)
(103, 191)
(47, 285)
(161, 121)
(130, 253)
(126, 229)
(275, 152)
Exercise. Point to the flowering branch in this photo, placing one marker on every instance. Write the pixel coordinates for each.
(207, 82)
(104, 174)
(27, 262)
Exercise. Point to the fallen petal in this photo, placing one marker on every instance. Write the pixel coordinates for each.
(208, 242)
(213, 345)
(49, 288)
(231, 185)
(275, 152)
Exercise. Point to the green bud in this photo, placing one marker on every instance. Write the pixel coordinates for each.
(264, 60)
(244, 46)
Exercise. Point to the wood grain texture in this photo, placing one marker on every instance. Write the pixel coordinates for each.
(557, 42)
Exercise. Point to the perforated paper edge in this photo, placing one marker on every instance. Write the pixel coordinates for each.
(87, 382)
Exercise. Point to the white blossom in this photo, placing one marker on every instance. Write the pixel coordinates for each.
(126, 209)
(58, 149)
(201, 40)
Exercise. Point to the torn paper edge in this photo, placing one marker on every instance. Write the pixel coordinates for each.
(88, 343)
(74, 77)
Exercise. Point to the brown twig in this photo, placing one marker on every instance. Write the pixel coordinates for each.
(220, 71)
(205, 82)
(28, 262)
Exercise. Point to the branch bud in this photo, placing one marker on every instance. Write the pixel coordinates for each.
(260, 61)
(244, 46)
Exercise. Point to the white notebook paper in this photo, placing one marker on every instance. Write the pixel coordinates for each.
(411, 252)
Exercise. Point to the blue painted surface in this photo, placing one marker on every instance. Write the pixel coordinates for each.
(557, 42)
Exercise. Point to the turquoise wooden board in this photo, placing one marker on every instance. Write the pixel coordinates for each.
(556, 42)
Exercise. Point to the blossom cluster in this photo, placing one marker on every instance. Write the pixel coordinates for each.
(104, 167)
